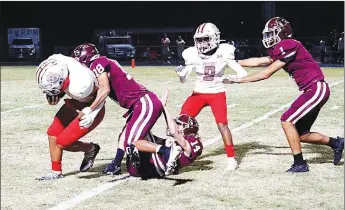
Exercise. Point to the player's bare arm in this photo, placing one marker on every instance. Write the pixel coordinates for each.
(265, 74)
(254, 62)
(173, 128)
(103, 90)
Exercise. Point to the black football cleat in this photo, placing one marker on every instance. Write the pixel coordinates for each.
(338, 151)
(298, 168)
(89, 158)
(112, 169)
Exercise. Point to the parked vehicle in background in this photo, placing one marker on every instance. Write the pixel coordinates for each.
(22, 48)
(119, 47)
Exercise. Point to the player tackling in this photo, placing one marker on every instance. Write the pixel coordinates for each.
(209, 58)
(289, 54)
(144, 107)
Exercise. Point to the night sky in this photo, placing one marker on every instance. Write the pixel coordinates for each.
(69, 23)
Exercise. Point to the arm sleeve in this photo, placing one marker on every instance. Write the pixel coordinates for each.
(229, 53)
(241, 72)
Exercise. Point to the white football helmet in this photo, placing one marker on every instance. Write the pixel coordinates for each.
(206, 37)
(51, 75)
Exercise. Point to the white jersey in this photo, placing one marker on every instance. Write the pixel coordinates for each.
(81, 79)
(210, 69)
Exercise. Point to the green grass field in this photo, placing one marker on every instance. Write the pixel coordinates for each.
(262, 151)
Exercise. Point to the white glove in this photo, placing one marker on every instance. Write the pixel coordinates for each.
(86, 121)
(230, 79)
(89, 115)
(86, 110)
(181, 71)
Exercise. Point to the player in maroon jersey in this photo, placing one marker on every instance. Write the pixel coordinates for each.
(144, 107)
(289, 54)
(183, 131)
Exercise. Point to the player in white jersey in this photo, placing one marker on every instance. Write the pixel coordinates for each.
(209, 58)
(59, 75)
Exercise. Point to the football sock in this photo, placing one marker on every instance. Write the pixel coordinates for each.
(298, 159)
(56, 165)
(119, 156)
(230, 151)
(162, 149)
(332, 143)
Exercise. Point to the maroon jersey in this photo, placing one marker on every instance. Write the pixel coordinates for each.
(124, 89)
(300, 65)
(196, 146)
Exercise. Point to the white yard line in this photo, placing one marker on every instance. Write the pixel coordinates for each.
(168, 82)
(90, 193)
(7, 102)
(25, 107)
(103, 187)
(335, 107)
(229, 106)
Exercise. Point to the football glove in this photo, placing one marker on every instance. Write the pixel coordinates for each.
(231, 79)
(181, 71)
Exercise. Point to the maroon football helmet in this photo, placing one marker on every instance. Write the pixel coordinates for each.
(189, 124)
(276, 29)
(85, 53)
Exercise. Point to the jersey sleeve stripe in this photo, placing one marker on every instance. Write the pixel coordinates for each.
(290, 54)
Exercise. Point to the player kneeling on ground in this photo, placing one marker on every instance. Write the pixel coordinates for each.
(57, 76)
(289, 54)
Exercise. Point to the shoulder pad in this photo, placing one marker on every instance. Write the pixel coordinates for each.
(81, 87)
(227, 50)
(189, 54)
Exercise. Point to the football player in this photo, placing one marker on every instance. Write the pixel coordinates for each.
(144, 107)
(182, 131)
(209, 58)
(59, 75)
(289, 54)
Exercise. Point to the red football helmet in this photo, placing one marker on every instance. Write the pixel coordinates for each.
(276, 29)
(190, 125)
(85, 53)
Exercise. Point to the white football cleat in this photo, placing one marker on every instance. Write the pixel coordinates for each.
(232, 164)
(50, 176)
(175, 153)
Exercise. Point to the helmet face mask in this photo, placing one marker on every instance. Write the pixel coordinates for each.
(271, 38)
(203, 44)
